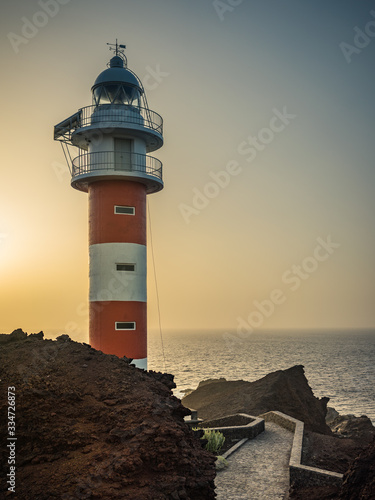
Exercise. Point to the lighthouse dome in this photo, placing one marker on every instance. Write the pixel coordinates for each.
(116, 85)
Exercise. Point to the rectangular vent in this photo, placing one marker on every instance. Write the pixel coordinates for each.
(128, 325)
(124, 210)
(125, 267)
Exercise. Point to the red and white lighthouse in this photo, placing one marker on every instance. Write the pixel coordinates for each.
(114, 135)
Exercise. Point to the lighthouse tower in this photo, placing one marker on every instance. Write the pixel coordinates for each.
(114, 136)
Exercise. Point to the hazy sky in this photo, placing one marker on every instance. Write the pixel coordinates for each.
(278, 95)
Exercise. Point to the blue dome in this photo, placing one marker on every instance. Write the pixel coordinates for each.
(117, 74)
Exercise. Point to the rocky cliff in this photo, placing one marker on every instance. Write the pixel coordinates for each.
(284, 390)
(359, 480)
(89, 425)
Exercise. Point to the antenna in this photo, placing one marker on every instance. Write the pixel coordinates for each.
(117, 48)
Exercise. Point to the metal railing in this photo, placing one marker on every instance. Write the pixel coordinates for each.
(121, 113)
(117, 161)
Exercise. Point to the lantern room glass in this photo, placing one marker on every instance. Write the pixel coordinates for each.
(116, 94)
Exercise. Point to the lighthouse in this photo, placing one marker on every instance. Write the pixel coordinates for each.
(114, 137)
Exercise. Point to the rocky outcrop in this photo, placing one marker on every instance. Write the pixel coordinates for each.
(350, 435)
(329, 452)
(359, 480)
(331, 414)
(89, 425)
(349, 426)
(284, 390)
(359, 469)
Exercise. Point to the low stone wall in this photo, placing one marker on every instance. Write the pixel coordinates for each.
(299, 474)
(250, 428)
(230, 420)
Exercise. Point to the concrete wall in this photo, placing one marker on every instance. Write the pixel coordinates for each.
(299, 474)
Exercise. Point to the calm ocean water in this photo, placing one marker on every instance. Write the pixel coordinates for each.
(339, 365)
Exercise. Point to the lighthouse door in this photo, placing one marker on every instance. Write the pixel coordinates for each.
(123, 154)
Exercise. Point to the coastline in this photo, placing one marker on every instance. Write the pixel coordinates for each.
(344, 372)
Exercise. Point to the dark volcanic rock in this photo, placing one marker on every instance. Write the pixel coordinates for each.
(15, 336)
(284, 390)
(89, 425)
(359, 480)
(330, 452)
(331, 415)
(350, 426)
(336, 453)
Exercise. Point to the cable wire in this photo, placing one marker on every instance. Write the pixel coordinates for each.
(156, 286)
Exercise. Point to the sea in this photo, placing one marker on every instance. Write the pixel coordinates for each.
(338, 364)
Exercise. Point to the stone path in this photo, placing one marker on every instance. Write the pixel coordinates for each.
(259, 469)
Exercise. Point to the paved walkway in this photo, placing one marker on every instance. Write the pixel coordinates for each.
(259, 469)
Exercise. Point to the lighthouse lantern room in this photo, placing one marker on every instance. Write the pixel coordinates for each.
(114, 136)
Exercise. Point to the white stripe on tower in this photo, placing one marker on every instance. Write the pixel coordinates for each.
(118, 272)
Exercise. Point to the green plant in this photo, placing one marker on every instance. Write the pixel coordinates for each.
(221, 463)
(215, 440)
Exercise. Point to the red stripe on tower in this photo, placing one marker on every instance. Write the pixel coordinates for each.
(117, 212)
(128, 334)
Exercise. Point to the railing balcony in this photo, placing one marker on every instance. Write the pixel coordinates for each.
(89, 122)
(117, 162)
(120, 113)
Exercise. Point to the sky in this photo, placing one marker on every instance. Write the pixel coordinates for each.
(266, 218)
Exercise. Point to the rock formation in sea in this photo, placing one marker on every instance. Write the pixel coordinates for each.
(350, 426)
(89, 425)
(287, 391)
